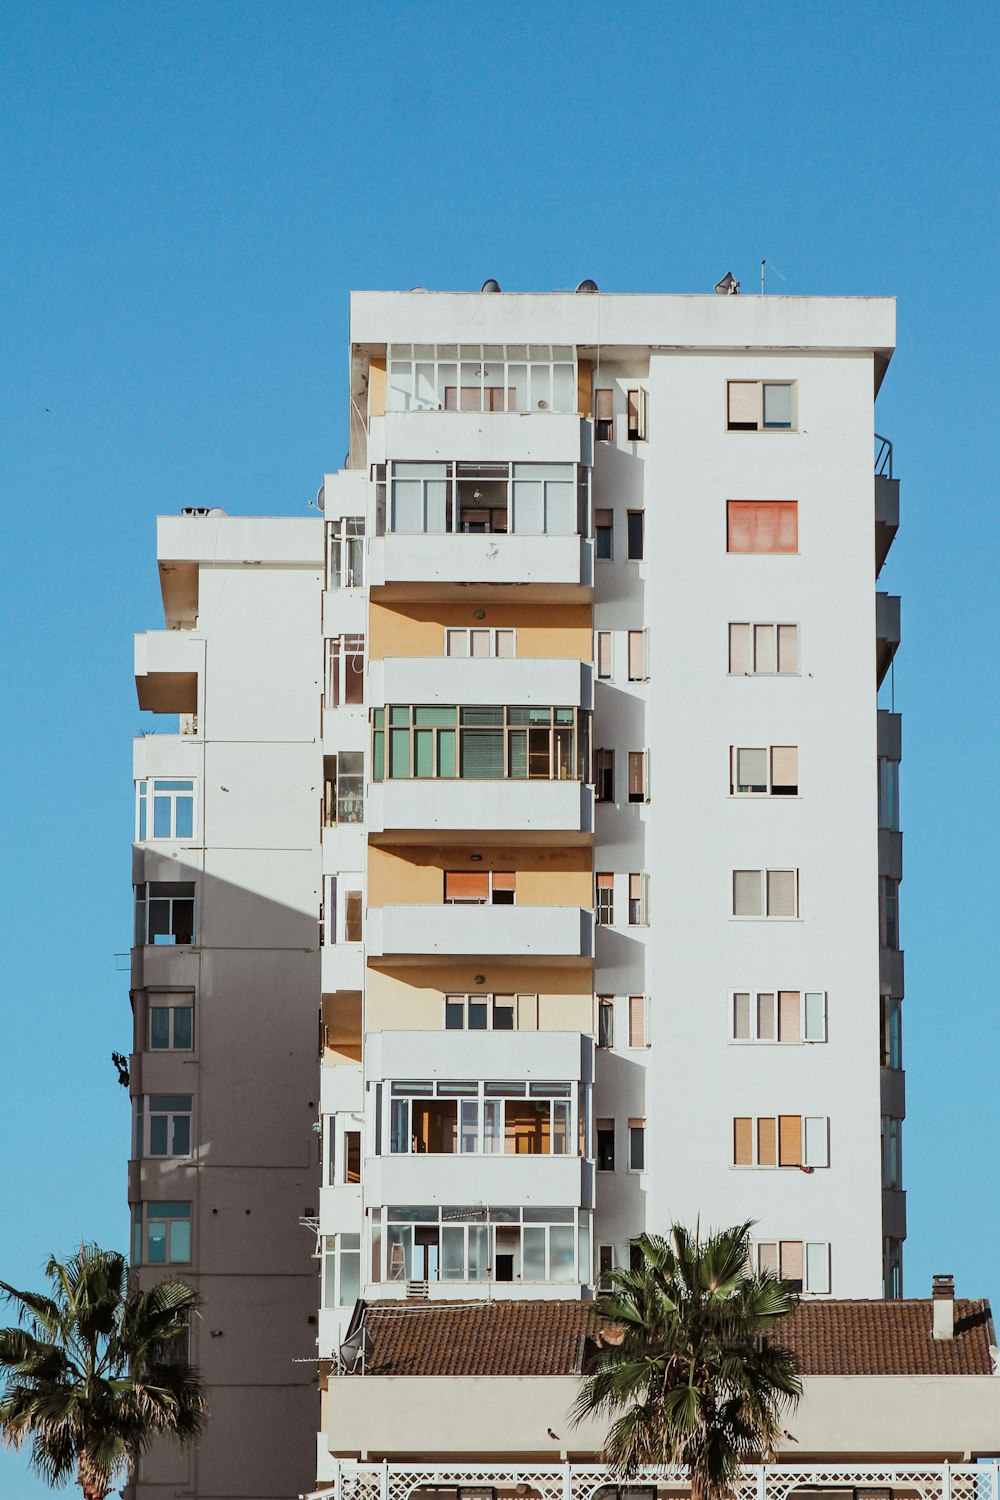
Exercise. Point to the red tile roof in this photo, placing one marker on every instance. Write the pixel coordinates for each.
(547, 1338)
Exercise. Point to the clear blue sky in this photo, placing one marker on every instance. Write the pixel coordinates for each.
(189, 191)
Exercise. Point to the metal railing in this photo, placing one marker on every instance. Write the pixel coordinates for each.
(883, 457)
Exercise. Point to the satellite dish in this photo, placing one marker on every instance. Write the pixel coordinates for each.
(728, 286)
(490, 286)
(588, 286)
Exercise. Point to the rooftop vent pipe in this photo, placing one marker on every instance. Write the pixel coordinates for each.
(490, 286)
(943, 1304)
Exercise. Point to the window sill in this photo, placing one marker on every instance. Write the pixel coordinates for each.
(735, 918)
(765, 796)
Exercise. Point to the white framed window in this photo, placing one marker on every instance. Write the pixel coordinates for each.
(781, 1141)
(605, 1133)
(343, 1153)
(604, 535)
(637, 1145)
(164, 808)
(763, 771)
(635, 535)
(638, 900)
(605, 1021)
(343, 909)
(345, 670)
(163, 1125)
(778, 1015)
(604, 415)
(638, 655)
(343, 788)
(345, 552)
(171, 1022)
(164, 913)
(482, 377)
(445, 1118)
(341, 1270)
(766, 893)
(637, 404)
(480, 642)
(761, 405)
(604, 653)
(161, 1234)
(638, 1020)
(480, 887)
(604, 775)
(763, 649)
(487, 1012)
(638, 775)
(604, 884)
(804, 1264)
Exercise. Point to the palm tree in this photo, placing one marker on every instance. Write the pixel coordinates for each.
(92, 1372)
(688, 1369)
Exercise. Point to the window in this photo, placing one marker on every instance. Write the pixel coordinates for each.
(638, 900)
(479, 642)
(164, 809)
(765, 893)
(756, 650)
(604, 532)
(892, 1143)
(760, 405)
(163, 1125)
(892, 1267)
(888, 901)
(446, 1118)
(605, 1021)
(637, 1145)
(637, 656)
(888, 794)
(482, 377)
(767, 770)
(525, 1243)
(161, 1234)
(341, 1269)
(637, 775)
(486, 498)
(781, 1141)
(638, 1021)
(805, 1265)
(636, 529)
(479, 887)
(604, 652)
(485, 1012)
(605, 1145)
(892, 1031)
(164, 912)
(484, 744)
(605, 1265)
(637, 415)
(762, 526)
(605, 902)
(604, 416)
(345, 553)
(343, 909)
(778, 1016)
(343, 788)
(604, 776)
(171, 1027)
(345, 670)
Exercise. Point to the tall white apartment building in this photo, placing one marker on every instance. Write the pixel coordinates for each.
(545, 771)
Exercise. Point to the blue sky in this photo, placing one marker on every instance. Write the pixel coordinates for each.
(188, 194)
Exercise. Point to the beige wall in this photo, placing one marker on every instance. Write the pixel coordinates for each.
(888, 1418)
(543, 630)
(414, 874)
(412, 999)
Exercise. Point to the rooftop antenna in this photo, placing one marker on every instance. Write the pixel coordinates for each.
(763, 288)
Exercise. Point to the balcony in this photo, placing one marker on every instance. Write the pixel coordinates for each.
(167, 663)
(886, 633)
(537, 437)
(893, 1089)
(890, 735)
(886, 502)
(473, 682)
(890, 853)
(556, 1181)
(341, 1088)
(426, 934)
(342, 967)
(449, 811)
(556, 569)
(471, 1054)
(890, 971)
(893, 1213)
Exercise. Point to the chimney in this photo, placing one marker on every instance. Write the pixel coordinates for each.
(943, 1303)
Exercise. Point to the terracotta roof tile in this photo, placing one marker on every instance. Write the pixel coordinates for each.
(547, 1338)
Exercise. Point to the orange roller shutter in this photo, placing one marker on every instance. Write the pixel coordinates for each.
(763, 525)
(739, 649)
(788, 648)
(791, 1260)
(790, 1140)
(466, 885)
(504, 880)
(766, 1144)
(637, 1020)
(789, 1026)
(784, 766)
(743, 1141)
(744, 401)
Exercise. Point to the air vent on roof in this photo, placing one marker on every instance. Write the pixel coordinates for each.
(588, 286)
(194, 510)
(490, 286)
